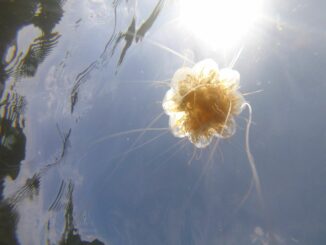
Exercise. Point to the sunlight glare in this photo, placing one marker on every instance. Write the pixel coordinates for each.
(220, 23)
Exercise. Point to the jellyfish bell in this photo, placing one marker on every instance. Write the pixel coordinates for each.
(202, 102)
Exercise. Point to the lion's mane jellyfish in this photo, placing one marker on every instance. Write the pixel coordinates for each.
(202, 102)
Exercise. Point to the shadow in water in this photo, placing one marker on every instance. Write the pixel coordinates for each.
(12, 152)
(130, 36)
(12, 137)
(70, 234)
(14, 15)
(9, 215)
(36, 54)
(16, 64)
(10, 164)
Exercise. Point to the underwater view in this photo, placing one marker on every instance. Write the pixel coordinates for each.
(162, 122)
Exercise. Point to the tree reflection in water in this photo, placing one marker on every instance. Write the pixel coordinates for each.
(70, 235)
(14, 15)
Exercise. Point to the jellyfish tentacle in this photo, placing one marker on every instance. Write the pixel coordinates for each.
(245, 197)
(131, 131)
(179, 146)
(199, 155)
(148, 126)
(253, 92)
(251, 159)
(144, 143)
(236, 57)
(209, 160)
(107, 137)
(166, 151)
(193, 156)
(134, 145)
(164, 82)
(117, 165)
(202, 173)
(161, 46)
(164, 47)
(122, 155)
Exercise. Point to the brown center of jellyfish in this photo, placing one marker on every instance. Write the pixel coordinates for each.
(207, 109)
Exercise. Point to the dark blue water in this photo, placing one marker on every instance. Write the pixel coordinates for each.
(76, 74)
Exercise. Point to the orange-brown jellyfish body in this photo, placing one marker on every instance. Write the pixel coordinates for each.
(202, 102)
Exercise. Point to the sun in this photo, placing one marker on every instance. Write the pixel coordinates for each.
(222, 24)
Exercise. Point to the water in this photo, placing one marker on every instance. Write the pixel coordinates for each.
(74, 73)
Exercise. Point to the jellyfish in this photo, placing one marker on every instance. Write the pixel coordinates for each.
(201, 104)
